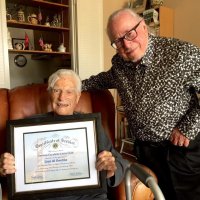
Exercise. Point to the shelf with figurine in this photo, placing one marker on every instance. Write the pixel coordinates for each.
(24, 46)
(50, 26)
(26, 25)
(158, 17)
(63, 4)
(38, 52)
(36, 18)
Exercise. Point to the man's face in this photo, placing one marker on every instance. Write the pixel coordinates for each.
(64, 96)
(135, 49)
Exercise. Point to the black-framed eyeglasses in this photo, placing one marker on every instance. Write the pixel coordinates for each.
(130, 35)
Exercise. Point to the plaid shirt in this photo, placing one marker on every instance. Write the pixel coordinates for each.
(158, 93)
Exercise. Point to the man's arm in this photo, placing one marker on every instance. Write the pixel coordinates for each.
(103, 80)
(189, 126)
(111, 160)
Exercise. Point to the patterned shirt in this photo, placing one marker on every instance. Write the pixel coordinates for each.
(158, 93)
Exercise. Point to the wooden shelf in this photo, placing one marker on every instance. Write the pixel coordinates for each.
(37, 52)
(41, 3)
(16, 24)
(49, 4)
(49, 32)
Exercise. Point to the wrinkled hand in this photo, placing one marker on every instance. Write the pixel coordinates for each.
(177, 138)
(7, 164)
(106, 161)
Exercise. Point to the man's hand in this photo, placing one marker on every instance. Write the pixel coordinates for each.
(177, 138)
(7, 164)
(105, 161)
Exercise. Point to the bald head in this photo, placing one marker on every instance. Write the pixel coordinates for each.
(120, 14)
(128, 34)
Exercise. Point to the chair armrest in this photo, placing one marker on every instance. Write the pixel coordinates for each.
(139, 190)
(150, 181)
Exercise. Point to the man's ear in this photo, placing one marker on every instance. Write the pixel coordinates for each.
(78, 96)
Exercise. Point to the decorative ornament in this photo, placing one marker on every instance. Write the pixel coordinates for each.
(26, 42)
(41, 41)
(20, 15)
(61, 48)
(19, 46)
(33, 19)
(47, 47)
(40, 16)
(157, 2)
(47, 23)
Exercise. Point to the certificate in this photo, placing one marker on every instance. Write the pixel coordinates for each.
(55, 156)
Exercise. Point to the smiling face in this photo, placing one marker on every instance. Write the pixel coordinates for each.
(120, 25)
(64, 96)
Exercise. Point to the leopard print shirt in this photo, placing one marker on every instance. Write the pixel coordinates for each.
(158, 93)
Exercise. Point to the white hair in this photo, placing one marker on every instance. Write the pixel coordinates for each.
(63, 73)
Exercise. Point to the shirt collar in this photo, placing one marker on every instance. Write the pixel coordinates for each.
(149, 56)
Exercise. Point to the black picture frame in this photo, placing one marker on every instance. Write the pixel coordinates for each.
(18, 43)
(25, 136)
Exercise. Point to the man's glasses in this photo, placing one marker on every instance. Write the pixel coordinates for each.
(130, 35)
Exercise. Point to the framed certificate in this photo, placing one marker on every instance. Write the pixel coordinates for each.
(55, 156)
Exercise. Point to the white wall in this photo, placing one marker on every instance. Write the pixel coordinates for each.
(90, 37)
(109, 6)
(186, 19)
(4, 64)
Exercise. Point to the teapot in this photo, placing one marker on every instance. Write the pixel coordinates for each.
(33, 19)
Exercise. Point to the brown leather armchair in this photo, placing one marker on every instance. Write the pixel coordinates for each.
(28, 100)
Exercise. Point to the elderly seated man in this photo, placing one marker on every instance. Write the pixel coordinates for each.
(65, 90)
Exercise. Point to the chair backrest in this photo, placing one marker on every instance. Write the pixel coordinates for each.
(4, 112)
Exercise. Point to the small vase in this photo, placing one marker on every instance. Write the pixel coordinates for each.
(61, 48)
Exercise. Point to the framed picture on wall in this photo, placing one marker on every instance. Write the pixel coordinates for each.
(138, 5)
(18, 43)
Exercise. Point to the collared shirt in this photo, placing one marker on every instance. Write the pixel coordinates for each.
(157, 93)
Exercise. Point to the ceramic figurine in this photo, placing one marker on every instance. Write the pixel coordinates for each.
(59, 21)
(8, 15)
(157, 2)
(47, 23)
(55, 21)
(33, 19)
(61, 48)
(39, 16)
(20, 15)
(47, 47)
